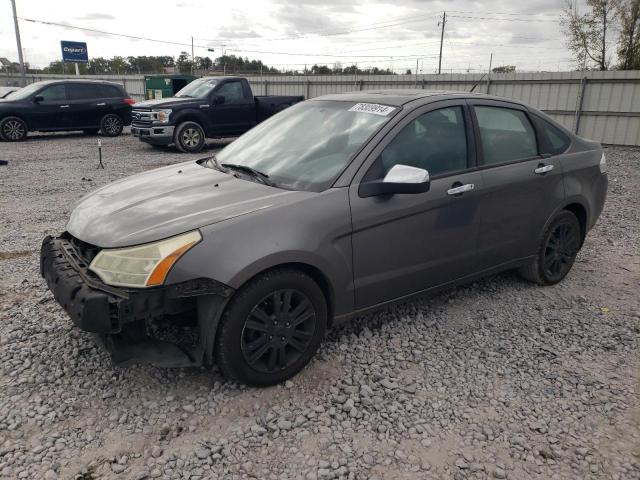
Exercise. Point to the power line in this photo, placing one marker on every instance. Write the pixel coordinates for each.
(501, 19)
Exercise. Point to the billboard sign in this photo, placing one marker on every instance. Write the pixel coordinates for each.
(74, 52)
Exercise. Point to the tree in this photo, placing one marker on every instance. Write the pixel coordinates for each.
(504, 69)
(587, 33)
(629, 44)
(408, 71)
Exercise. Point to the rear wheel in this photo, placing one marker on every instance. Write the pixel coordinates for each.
(557, 252)
(271, 328)
(111, 125)
(189, 137)
(13, 129)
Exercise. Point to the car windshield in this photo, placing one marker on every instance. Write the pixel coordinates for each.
(25, 92)
(307, 146)
(199, 88)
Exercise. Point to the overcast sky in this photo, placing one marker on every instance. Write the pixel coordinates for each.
(525, 34)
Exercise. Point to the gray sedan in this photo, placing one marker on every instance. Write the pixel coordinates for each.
(334, 207)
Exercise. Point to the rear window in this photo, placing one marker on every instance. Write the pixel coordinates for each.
(506, 135)
(109, 91)
(79, 91)
(554, 140)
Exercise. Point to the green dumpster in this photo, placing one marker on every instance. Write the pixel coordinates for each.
(162, 86)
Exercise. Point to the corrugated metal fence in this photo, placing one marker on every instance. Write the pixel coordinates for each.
(603, 106)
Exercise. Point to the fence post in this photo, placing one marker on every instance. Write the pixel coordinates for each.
(583, 87)
(361, 83)
(266, 87)
(308, 89)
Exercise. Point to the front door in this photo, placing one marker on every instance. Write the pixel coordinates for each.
(238, 112)
(521, 187)
(52, 111)
(406, 243)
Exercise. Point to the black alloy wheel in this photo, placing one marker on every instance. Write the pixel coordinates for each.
(111, 125)
(13, 129)
(561, 249)
(271, 328)
(278, 331)
(557, 252)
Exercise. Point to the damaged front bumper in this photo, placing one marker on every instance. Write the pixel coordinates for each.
(121, 317)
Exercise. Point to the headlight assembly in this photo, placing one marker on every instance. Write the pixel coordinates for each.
(144, 265)
(161, 116)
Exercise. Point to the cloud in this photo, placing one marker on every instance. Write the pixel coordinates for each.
(96, 16)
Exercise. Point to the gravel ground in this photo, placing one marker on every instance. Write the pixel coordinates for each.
(499, 379)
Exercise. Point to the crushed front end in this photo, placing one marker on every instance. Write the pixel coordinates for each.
(128, 321)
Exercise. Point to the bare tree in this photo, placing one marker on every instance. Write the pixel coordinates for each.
(629, 46)
(589, 34)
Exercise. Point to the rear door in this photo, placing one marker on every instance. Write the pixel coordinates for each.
(52, 112)
(87, 106)
(522, 187)
(238, 112)
(406, 243)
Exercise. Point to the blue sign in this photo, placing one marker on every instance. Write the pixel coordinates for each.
(74, 52)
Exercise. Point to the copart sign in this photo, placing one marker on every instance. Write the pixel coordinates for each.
(75, 52)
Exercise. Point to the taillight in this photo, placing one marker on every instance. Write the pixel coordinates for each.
(129, 101)
(603, 163)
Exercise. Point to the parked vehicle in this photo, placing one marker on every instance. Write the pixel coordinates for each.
(4, 91)
(337, 206)
(58, 105)
(206, 108)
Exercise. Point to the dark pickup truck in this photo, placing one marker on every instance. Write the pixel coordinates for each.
(209, 107)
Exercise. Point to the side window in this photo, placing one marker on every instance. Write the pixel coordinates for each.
(435, 141)
(53, 93)
(108, 91)
(232, 92)
(83, 91)
(556, 140)
(506, 135)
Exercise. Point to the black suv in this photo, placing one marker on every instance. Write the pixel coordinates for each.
(88, 105)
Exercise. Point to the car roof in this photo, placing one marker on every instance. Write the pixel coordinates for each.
(77, 80)
(400, 97)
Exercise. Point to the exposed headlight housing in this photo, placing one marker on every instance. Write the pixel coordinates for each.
(603, 163)
(144, 265)
(161, 116)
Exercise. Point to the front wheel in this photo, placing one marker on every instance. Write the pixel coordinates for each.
(189, 137)
(13, 129)
(557, 252)
(111, 125)
(271, 328)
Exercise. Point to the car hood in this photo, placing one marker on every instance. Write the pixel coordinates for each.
(168, 102)
(166, 202)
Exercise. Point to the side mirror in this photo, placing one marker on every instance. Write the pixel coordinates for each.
(217, 100)
(38, 99)
(400, 179)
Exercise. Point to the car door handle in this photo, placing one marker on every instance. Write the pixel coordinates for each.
(461, 189)
(64, 106)
(100, 104)
(542, 169)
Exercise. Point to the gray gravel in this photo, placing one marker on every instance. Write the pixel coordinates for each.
(499, 379)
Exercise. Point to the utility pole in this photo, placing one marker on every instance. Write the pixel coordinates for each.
(193, 58)
(443, 22)
(23, 73)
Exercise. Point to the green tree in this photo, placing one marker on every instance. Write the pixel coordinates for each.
(589, 34)
(183, 63)
(504, 69)
(629, 43)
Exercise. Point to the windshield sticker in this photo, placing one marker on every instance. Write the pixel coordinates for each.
(374, 108)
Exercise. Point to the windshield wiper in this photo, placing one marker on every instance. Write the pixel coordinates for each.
(250, 170)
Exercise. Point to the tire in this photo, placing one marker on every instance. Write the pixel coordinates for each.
(261, 346)
(111, 125)
(557, 251)
(90, 131)
(189, 137)
(13, 129)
